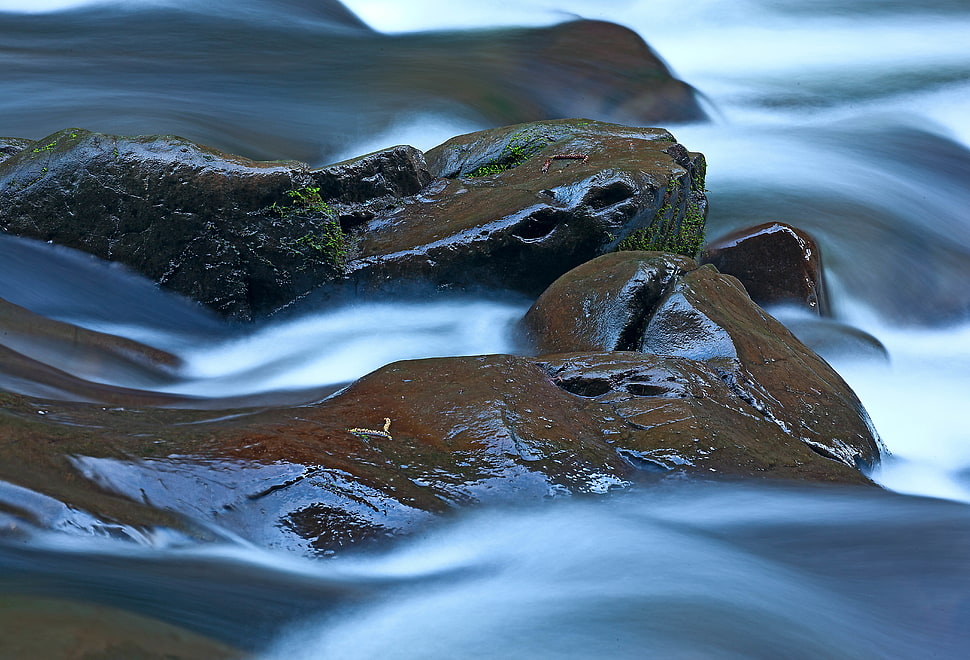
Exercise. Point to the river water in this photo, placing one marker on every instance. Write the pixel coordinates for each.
(850, 120)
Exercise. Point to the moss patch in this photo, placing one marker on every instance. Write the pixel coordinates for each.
(522, 146)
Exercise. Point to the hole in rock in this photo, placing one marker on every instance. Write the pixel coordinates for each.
(587, 387)
(645, 389)
(608, 195)
(538, 225)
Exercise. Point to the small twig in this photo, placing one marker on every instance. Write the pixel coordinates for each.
(545, 165)
(386, 433)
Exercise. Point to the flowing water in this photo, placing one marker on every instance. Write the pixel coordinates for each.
(850, 120)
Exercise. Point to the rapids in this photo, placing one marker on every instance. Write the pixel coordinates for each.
(850, 120)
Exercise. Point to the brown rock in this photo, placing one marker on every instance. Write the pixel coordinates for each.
(704, 316)
(507, 214)
(601, 304)
(708, 316)
(665, 414)
(777, 264)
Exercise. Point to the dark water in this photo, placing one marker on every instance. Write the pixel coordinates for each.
(849, 120)
(686, 570)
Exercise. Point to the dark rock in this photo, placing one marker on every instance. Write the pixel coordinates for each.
(307, 81)
(240, 236)
(396, 172)
(246, 238)
(705, 316)
(9, 146)
(508, 215)
(777, 264)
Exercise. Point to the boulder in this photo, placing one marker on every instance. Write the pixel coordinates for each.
(672, 415)
(402, 444)
(9, 146)
(778, 264)
(240, 236)
(307, 80)
(707, 317)
(246, 238)
(603, 303)
(516, 207)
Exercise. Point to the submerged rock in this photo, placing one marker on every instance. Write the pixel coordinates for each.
(308, 80)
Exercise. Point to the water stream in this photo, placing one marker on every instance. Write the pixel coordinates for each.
(850, 120)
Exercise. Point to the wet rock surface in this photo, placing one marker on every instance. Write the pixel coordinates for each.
(704, 316)
(716, 388)
(10, 146)
(647, 365)
(778, 264)
(246, 238)
(505, 213)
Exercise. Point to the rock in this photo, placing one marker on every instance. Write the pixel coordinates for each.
(240, 236)
(9, 146)
(307, 80)
(322, 477)
(669, 415)
(600, 305)
(764, 363)
(402, 444)
(777, 264)
(246, 238)
(707, 317)
(505, 213)
(47, 627)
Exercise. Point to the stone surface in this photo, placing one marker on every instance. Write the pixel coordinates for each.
(603, 303)
(778, 264)
(707, 317)
(504, 214)
(666, 415)
(9, 146)
(218, 228)
(246, 238)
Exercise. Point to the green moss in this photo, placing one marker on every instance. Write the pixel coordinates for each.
(46, 147)
(685, 237)
(328, 242)
(521, 146)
